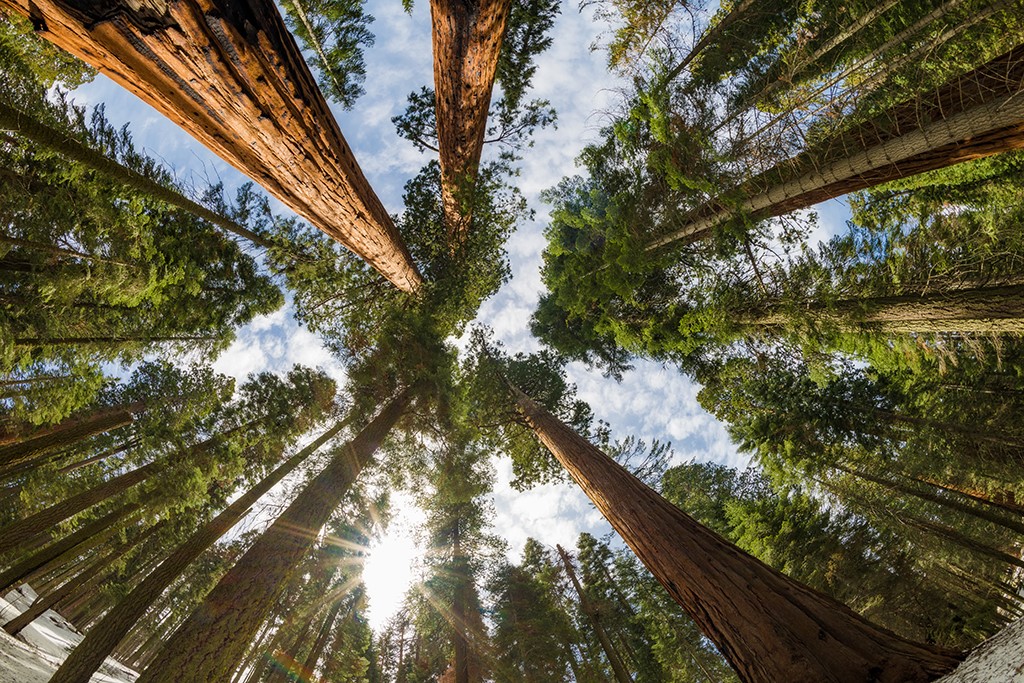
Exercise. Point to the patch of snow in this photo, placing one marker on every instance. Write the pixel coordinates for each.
(1000, 659)
(38, 650)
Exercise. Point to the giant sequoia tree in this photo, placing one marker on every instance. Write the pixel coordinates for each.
(871, 376)
(298, 154)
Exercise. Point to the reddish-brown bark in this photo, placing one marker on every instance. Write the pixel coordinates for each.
(229, 73)
(768, 626)
(467, 37)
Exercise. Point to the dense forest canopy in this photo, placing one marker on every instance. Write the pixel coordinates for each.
(217, 396)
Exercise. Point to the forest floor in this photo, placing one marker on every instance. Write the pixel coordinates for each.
(1000, 659)
(47, 641)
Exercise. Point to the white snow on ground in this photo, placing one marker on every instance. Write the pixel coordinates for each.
(1000, 659)
(42, 645)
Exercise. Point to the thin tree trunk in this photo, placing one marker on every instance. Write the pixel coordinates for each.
(51, 598)
(16, 573)
(111, 340)
(320, 644)
(101, 641)
(973, 116)
(466, 37)
(618, 667)
(1011, 524)
(460, 623)
(709, 36)
(128, 445)
(22, 443)
(50, 249)
(1003, 500)
(953, 536)
(210, 643)
(231, 75)
(769, 627)
(15, 534)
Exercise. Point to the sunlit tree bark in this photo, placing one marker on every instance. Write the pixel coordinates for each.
(231, 75)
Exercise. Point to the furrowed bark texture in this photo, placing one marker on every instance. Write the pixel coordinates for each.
(982, 309)
(212, 641)
(101, 640)
(978, 114)
(768, 626)
(230, 74)
(467, 37)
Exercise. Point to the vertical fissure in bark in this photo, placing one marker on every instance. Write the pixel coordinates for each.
(230, 74)
(769, 627)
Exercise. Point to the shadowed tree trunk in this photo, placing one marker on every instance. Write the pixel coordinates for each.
(16, 573)
(22, 446)
(231, 75)
(467, 36)
(618, 668)
(320, 644)
(1013, 524)
(211, 642)
(768, 626)
(22, 531)
(47, 600)
(974, 115)
(86, 659)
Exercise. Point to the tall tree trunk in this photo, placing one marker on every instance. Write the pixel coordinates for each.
(973, 116)
(45, 601)
(231, 75)
(16, 573)
(996, 309)
(768, 626)
(1011, 524)
(101, 641)
(15, 534)
(467, 37)
(32, 128)
(320, 644)
(23, 444)
(951, 535)
(1003, 500)
(618, 667)
(210, 643)
(459, 599)
(710, 35)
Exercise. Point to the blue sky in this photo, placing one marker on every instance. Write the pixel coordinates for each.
(651, 402)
